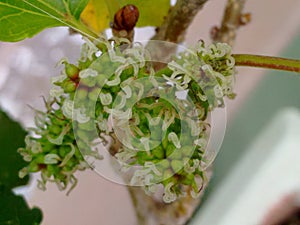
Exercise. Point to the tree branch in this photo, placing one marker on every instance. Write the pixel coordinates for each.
(174, 29)
(178, 20)
(232, 20)
(151, 211)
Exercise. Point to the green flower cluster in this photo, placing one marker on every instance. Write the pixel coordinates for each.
(159, 117)
(51, 147)
(173, 131)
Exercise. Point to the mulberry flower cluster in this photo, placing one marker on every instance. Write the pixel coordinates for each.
(158, 117)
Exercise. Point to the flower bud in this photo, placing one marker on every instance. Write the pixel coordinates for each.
(68, 86)
(158, 152)
(176, 165)
(72, 71)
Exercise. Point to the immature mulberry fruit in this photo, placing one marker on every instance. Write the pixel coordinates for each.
(162, 136)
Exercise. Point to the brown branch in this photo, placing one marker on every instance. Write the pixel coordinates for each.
(151, 211)
(232, 20)
(178, 20)
(173, 30)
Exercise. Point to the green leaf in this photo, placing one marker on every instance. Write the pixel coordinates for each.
(77, 6)
(11, 138)
(20, 19)
(15, 211)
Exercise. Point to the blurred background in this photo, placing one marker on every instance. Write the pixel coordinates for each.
(26, 68)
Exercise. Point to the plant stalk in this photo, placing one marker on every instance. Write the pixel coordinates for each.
(268, 62)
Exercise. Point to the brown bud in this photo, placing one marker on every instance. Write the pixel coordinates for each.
(245, 19)
(214, 32)
(126, 18)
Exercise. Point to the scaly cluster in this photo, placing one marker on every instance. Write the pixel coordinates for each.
(159, 117)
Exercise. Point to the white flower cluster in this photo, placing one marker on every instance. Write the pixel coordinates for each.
(117, 92)
(212, 68)
(207, 74)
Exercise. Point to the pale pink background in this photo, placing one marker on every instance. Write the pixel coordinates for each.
(97, 201)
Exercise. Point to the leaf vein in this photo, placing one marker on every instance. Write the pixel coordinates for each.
(42, 10)
(21, 9)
